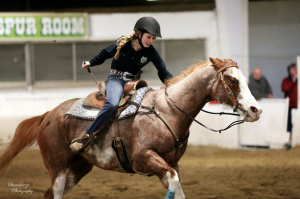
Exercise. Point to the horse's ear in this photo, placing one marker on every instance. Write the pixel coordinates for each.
(218, 63)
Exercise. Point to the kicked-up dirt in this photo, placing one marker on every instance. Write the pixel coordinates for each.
(205, 172)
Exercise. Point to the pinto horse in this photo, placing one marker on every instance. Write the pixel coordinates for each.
(151, 147)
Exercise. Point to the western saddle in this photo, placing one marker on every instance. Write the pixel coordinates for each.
(97, 99)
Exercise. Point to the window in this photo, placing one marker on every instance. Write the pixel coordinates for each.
(12, 62)
(54, 61)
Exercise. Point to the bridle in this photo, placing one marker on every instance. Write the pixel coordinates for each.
(229, 93)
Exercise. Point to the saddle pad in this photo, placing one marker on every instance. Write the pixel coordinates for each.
(132, 109)
(88, 113)
(80, 111)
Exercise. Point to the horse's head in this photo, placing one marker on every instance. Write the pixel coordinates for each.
(230, 88)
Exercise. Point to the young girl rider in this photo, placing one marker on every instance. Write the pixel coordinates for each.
(131, 54)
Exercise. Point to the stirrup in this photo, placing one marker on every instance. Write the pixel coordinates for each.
(79, 146)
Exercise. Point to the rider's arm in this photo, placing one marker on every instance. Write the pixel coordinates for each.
(104, 54)
(160, 65)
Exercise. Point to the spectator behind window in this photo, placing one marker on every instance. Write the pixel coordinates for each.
(259, 85)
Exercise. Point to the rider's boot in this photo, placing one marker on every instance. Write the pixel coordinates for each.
(77, 144)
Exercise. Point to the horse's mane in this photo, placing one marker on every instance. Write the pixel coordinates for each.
(187, 72)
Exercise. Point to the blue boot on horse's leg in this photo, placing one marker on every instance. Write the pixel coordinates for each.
(173, 185)
(170, 194)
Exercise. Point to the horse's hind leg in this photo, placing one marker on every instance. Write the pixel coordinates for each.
(66, 175)
(58, 182)
(153, 164)
(78, 169)
(65, 180)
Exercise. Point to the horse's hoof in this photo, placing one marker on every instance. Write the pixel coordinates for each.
(76, 147)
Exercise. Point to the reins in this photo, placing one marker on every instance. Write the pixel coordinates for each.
(230, 95)
(221, 113)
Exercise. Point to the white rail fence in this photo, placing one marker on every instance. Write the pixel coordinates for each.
(269, 132)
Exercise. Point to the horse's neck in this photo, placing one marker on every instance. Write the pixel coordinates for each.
(190, 94)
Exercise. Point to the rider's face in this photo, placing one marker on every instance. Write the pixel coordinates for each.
(148, 39)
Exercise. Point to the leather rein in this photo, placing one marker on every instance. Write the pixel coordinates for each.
(230, 94)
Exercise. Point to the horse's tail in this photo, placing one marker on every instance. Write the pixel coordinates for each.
(24, 137)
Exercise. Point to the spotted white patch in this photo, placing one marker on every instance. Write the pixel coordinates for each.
(164, 181)
(103, 157)
(59, 185)
(172, 181)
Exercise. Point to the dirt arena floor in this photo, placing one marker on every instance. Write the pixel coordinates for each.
(206, 172)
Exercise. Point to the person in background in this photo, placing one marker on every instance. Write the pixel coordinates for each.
(289, 87)
(259, 85)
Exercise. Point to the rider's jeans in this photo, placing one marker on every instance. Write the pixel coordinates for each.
(114, 92)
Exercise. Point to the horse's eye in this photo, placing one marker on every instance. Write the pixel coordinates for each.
(234, 81)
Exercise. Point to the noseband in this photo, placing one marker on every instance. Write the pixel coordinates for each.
(229, 92)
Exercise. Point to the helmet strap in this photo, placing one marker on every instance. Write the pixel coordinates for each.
(140, 40)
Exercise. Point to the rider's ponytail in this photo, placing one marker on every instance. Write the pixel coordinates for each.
(123, 40)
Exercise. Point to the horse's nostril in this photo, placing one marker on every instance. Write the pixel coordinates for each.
(253, 109)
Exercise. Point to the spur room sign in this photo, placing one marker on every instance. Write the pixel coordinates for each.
(43, 26)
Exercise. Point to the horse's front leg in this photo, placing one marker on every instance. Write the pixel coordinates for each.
(165, 181)
(153, 164)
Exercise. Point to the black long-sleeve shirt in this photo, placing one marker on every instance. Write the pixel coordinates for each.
(132, 61)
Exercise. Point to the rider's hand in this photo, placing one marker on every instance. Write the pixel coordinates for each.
(85, 64)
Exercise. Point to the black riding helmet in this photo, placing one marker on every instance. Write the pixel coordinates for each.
(148, 25)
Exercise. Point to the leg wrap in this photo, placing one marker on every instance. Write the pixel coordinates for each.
(170, 194)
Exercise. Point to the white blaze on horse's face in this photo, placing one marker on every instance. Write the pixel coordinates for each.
(245, 98)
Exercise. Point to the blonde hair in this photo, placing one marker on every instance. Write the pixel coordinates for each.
(123, 40)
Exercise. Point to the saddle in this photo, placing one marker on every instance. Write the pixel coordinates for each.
(97, 99)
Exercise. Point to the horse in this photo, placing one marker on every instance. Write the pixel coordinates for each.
(151, 147)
